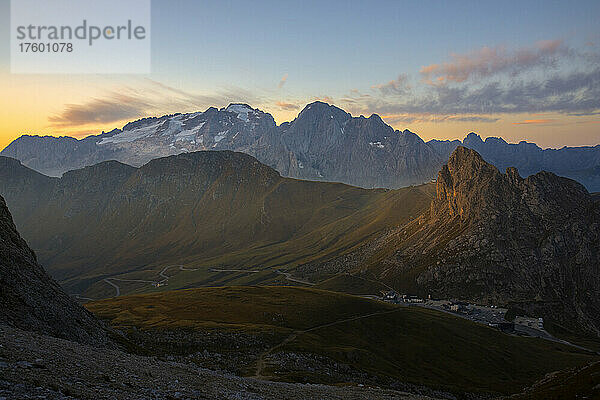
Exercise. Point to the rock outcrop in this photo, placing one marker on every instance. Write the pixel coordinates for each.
(531, 243)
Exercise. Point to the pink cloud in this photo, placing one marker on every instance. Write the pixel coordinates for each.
(282, 81)
(287, 106)
(396, 86)
(534, 121)
(489, 61)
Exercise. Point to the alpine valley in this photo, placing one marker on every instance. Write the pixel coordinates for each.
(224, 200)
(218, 255)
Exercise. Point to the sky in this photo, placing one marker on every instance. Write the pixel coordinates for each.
(521, 70)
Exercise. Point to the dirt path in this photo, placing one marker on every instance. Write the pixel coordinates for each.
(262, 362)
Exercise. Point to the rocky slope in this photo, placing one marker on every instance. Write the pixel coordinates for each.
(34, 366)
(205, 208)
(579, 163)
(31, 300)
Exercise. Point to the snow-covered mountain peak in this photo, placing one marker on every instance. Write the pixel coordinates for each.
(242, 110)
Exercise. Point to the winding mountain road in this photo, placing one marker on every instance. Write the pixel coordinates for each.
(165, 269)
(162, 274)
(117, 288)
(250, 271)
(290, 278)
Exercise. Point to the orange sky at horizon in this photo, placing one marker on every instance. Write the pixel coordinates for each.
(29, 103)
(555, 131)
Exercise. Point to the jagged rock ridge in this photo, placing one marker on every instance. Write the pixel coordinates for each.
(323, 143)
(579, 163)
(528, 243)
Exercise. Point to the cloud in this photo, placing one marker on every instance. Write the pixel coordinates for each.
(479, 86)
(475, 87)
(420, 118)
(397, 86)
(489, 61)
(149, 98)
(282, 81)
(534, 121)
(570, 93)
(324, 99)
(457, 118)
(116, 107)
(287, 106)
(583, 114)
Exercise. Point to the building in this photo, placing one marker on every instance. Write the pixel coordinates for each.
(390, 296)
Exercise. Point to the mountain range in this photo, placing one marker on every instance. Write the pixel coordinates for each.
(476, 234)
(221, 218)
(324, 143)
(579, 163)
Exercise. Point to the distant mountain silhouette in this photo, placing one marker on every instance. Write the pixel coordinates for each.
(323, 143)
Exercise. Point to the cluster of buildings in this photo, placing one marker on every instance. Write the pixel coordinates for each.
(489, 315)
(393, 297)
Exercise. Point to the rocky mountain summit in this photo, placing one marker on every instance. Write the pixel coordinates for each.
(325, 143)
(232, 127)
(579, 163)
(533, 243)
(31, 300)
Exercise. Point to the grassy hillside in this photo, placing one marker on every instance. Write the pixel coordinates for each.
(229, 212)
(575, 383)
(406, 344)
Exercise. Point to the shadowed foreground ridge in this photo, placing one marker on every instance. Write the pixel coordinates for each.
(31, 300)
